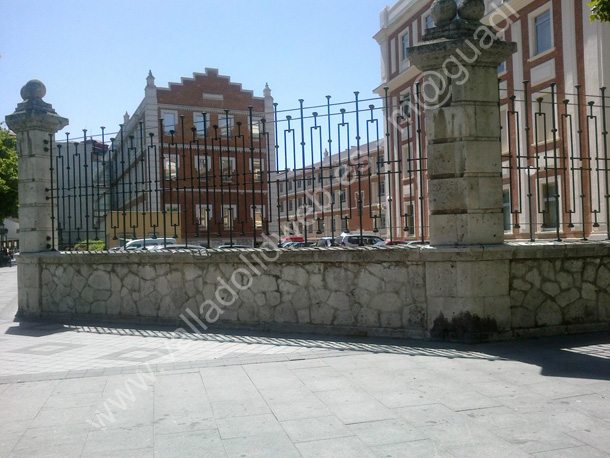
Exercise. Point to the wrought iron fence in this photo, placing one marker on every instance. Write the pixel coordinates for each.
(555, 164)
(315, 172)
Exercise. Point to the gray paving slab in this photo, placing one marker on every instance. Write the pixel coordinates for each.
(100, 390)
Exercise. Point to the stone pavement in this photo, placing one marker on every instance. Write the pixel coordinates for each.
(97, 390)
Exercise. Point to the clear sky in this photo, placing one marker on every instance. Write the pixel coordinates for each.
(93, 56)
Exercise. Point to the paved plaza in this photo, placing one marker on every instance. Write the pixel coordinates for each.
(99, 390)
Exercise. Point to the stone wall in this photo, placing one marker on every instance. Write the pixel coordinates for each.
(459, 293)
(359, 290)
(562, 289)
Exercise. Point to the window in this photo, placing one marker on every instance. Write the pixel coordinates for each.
(281, 207)
(256, 170)
(504, 130)
(203, 215)
(309, 181)
(170, 167)
(409, 218)
(506, 209)
(502, 66)
(543, 118)
(300, 202)
(289, 185)
(342, 173)
(299, 183)
(256, 128)
(405, 45)
(344, 225)
(332, 198)
(290, 206)
(550, 202)
(227, 168)
(382, 223)
(202, 165)
(281, 187)
(228, 217)
(405, 107)
(342, 196)
(172, 208)
(198, 122)
(381, 188)
(258, 218)
(543, 40)
(380, 164)
(169, 121)
(429, 22)
(358, 196)
(226, 124)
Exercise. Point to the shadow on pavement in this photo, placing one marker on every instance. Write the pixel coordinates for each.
(577, 356)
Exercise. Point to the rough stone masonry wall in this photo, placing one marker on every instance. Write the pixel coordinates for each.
(560, 288)
(521, 289)
(377, 291)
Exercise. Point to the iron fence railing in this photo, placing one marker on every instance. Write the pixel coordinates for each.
(555, 164)
(317, 171)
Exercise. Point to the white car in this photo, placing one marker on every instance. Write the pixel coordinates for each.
(141, 243)
(354, 239)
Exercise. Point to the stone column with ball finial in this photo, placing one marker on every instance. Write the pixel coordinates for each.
(467, 291)
(459, 58)
(35, 122)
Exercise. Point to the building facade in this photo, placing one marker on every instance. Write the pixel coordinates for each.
(81, 190)
(193, 159)
(343, 192)
(553, 114)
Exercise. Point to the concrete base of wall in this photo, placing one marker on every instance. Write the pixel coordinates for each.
(467, 294)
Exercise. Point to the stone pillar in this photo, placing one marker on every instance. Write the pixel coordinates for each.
(467, 287)
(459, 90)
(33, 121)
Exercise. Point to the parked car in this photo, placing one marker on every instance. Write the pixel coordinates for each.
(418, 242)
(140, 243)
(302, 244)
(180, 247)
(290, 239)
(327, 241)
(392, 242)
(354, 239)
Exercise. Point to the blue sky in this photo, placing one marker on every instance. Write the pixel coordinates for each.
(93, 56)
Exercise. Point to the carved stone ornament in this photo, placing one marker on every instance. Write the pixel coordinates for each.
(443, 12)
(471, 10)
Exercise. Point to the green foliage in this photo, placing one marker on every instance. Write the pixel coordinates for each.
(600, 10)
(94, 245)
(9, 202)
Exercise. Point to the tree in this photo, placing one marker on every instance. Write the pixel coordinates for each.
(600, 10)
(9, 202)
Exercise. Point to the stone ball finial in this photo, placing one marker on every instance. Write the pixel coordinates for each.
(33, 89)
(443, 12)
(471, 10)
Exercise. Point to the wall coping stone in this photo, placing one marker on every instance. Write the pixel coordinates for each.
(511, 250)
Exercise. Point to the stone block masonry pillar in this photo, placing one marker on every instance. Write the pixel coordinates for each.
(467, 287)
(459, 91)
(34, 121)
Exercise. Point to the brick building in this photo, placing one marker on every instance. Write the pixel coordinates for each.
(193, 158)
(343, 192)
(551, 114)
